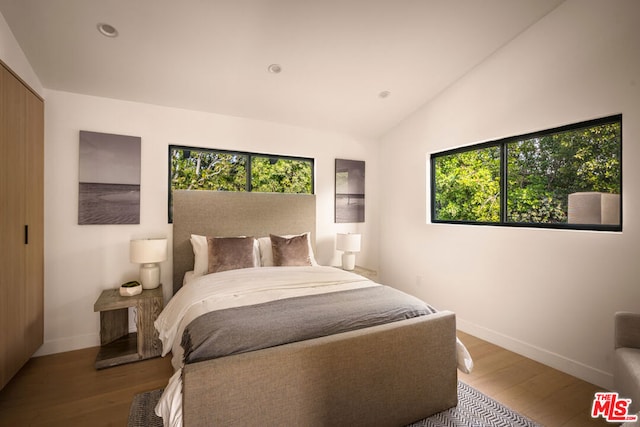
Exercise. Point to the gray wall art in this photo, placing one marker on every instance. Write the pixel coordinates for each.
(109, 179)
(349, 203)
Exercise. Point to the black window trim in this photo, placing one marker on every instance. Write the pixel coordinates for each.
(501, 143)
(248, 154)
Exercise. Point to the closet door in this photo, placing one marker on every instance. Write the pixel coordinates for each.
(21, 202)
(34, 221)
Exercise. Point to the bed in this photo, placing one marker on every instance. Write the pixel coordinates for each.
(388, 374)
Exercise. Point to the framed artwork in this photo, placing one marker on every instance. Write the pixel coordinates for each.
(349, 203)
(109, 179)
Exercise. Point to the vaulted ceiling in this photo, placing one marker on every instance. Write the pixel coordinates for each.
(338, 58)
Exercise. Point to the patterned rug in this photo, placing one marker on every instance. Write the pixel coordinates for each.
(474, 409)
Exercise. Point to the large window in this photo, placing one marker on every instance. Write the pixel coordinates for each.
(192, 168)
(568, 177)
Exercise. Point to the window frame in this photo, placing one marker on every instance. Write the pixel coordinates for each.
(249, 155)
(502, 145)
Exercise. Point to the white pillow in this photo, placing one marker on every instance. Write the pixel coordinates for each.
(201, 254)
(188, 277)
(266, 253)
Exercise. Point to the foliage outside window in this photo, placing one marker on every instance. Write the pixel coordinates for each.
(270, 174)
(569, 177)
(192, 168)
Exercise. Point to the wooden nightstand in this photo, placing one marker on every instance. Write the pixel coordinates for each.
(118, 346)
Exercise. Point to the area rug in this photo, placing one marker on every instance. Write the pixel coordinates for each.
(474, 409)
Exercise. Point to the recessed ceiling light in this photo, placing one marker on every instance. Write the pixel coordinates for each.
(384, 94)
(107, 30)
(274, 68)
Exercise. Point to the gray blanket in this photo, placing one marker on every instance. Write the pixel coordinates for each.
(241, 329)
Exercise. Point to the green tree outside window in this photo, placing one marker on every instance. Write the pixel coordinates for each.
(192, 168)
(527, 180)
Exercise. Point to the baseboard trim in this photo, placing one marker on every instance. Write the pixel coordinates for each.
(78, 342)
(546, 357)
(68, 344)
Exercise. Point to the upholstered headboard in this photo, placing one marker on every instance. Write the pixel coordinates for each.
(223, 214)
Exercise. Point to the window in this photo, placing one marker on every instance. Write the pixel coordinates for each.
(192, 168)
(568, 177)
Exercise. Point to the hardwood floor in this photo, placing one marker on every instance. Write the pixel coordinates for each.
(65, 390)
(547, 396)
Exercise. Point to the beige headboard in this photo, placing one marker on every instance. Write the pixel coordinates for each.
(223, 214)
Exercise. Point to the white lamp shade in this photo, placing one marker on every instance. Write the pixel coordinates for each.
(348, 242)
(146, 251)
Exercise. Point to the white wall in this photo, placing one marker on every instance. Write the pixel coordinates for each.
(81, 261)
(12, 55)
(548, 294)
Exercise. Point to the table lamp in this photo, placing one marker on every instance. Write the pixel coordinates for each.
(148, 253)
(350, 244)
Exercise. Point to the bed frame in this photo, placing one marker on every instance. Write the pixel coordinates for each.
(389, 375)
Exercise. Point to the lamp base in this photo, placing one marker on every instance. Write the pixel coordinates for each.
(150, 275)
(348, 261)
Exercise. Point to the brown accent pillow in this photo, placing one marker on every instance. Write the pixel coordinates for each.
(290, 251)
(230, 253)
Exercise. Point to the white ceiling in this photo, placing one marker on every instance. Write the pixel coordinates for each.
(212, 55)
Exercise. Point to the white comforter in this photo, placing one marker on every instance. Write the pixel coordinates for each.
(236, 288)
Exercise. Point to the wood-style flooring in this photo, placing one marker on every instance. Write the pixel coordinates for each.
(546, 395)
(65, 390)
